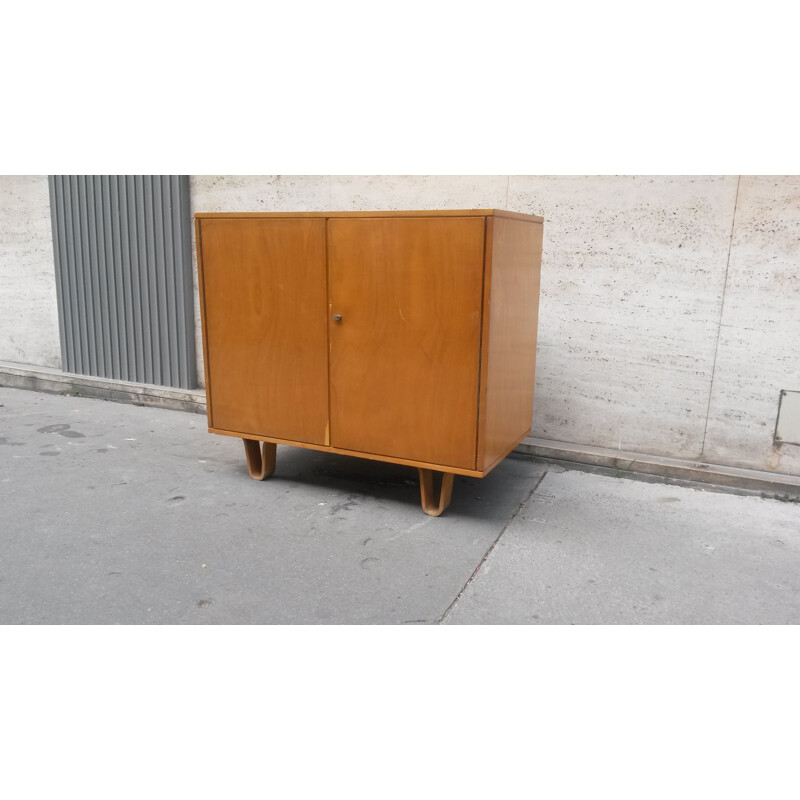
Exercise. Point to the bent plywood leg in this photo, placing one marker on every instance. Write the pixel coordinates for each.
(429, 504)
(260, 458)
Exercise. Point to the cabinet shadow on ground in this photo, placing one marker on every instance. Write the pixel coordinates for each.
(396, 487)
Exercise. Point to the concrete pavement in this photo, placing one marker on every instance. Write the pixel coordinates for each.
(118, 514)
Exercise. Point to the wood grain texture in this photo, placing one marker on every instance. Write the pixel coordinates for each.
(264, 312)
(409, 462)
(513, 276)
(405, 357)
(432, 505)
(261, 457)
(482, 382)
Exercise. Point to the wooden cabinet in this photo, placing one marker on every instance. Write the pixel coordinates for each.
(405, 336)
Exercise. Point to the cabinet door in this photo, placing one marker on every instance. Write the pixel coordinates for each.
(405, 354)
(265, 325)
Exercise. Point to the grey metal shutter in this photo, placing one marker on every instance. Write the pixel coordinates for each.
(124, 277)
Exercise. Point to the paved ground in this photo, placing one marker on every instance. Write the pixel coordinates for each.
(111, 513)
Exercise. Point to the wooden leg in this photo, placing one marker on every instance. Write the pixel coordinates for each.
(429, 504)
(260, 460)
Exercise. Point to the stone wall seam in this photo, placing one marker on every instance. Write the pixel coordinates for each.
(719, 324)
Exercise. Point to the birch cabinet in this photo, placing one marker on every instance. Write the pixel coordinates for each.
(403, 336)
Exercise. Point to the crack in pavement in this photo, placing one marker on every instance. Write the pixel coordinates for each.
(491, 548)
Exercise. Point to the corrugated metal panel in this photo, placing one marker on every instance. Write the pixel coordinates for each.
(124, 276)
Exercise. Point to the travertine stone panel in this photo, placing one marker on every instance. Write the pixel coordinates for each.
(633, 272)
(214, 193)
(759, 343)
(28, 304)
(409, 192)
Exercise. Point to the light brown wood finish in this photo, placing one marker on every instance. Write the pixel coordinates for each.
(431, 364)
(323, 448)
(260, 458)
(265, 312)
(513, 274)
(404, 358)
(430, 505)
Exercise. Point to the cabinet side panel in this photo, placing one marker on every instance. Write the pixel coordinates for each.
(516, 258)
(265, 326)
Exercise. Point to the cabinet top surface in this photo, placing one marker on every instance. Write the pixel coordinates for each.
(471, 212)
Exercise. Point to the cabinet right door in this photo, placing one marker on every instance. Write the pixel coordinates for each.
(405, 353)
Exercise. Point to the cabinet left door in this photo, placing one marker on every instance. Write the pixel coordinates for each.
(264, 303)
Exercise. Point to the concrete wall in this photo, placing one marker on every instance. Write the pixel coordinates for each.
(632, 283)
(670, 308)
(758, 352)
(28, 310)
